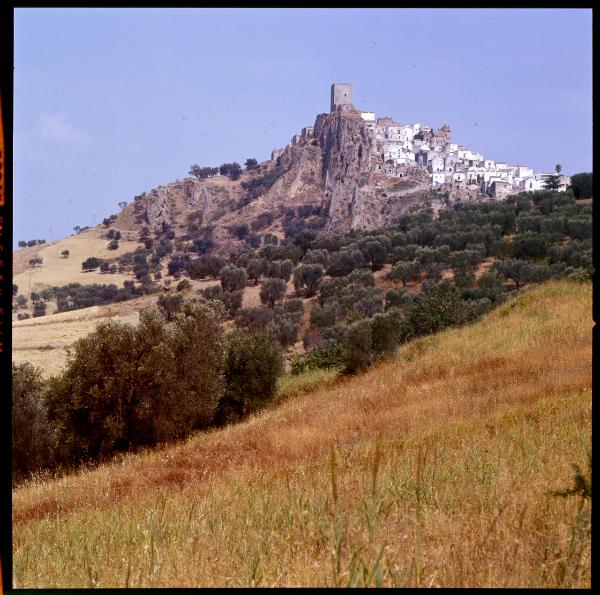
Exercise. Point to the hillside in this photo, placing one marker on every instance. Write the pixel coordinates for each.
(432, 469)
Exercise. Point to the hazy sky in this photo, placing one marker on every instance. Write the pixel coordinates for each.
(113, 102)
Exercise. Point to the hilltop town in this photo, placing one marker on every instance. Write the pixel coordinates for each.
(450, 166)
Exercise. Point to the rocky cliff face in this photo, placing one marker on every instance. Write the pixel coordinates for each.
(350, 166)
(339, 168)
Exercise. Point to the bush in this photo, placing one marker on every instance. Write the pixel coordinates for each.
(252, 365)
(22, 316)
(320, 358)
(65, 254)
(91, 263)
(32, 438)
(387, 331)
(357, 345)
(233, 170)
(39, 309)
(433, 310)
(126, 386)
(324, 316)
(183, 285)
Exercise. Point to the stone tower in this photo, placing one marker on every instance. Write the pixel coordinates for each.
(341, 94)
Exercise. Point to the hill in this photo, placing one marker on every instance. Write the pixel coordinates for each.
(435, 468)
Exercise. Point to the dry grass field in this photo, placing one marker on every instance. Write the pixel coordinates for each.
(435, 468)
(56, 270)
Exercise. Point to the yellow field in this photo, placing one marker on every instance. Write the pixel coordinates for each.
(435, 468)
(56, 270)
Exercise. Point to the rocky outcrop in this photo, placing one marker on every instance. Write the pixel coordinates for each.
(339, 167)
(350, 163)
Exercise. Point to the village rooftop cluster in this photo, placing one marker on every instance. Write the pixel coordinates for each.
(449, 165)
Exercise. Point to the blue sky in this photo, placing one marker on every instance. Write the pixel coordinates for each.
(113, 102)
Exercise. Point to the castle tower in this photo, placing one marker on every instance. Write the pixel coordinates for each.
(341, 94)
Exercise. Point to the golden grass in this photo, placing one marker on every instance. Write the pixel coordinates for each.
(56, 270)
(432, 469)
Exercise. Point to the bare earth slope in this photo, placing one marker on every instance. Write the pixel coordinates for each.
(433, 469)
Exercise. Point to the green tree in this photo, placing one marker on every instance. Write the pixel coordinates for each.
(552, 182)
(252, 365)
(308, 276)
(39, 309)
(169, 305)
(271, 291)
(233, 278)
(251, 163)
(357, 345)
(32, 437)
(126, 386)
(91, 263)
(581, 185)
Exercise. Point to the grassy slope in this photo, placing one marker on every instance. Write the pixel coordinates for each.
(432, 469)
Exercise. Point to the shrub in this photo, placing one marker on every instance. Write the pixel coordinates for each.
(32, 438)
(22, 316)
(324, 316)
(433, 310)
(21, 301)
(183, 285)
(39, 309)
(113, 245)
(357, 344)
(65, 254)
(387, 331)
(233, 170)
(126, 386)
(320, 358)
(252, 365)
(91, 263)
(473, 309)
